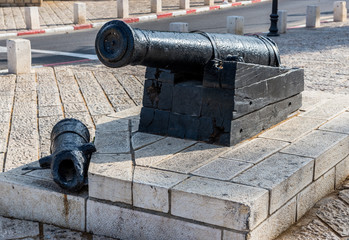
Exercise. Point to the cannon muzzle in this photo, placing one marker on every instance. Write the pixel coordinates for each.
(118, 45)
(70, 154)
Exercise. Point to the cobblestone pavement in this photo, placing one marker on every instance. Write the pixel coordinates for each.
(60, 13)
(31, 104)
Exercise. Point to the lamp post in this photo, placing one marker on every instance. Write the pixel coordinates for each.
(273, 30)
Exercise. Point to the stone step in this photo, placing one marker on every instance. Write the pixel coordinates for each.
(144, 186)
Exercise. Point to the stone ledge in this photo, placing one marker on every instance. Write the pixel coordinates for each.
(170, 188)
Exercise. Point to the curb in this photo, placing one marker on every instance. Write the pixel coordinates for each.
(131, 20)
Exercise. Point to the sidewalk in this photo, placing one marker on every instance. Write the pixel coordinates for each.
(31, 104)
(57, 16)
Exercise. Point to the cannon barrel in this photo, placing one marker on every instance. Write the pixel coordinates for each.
(118, 45)
(70, 154)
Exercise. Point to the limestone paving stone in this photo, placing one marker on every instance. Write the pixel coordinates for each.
(327, 148)
(131, 86)
(110, 177)
(124, 223)
(222, 169)
(25, 97)
(140, 139)
(278, 222)
(228, 235)
(292, 129)
(50, 111)
(2, 157)
(154, 153)
(338, 124)
(307, 198)
(151, 188)
(17, 229)
(6, 103)
(121, 103)
(313, 230)
(191, 158)
(4, 131)
(129, 113)
(344, 195)
(8, 83)
(282, 174)
(107, 124)
(84, 117)
(45, 100)
(220, 203)
(342, 171)
(44, 201)
(71, 107)
(255, 150)
(327, 110)
(113, 142)
(335, 214)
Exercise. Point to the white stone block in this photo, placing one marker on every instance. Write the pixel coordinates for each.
(313, 16)
(284, 175)
(32, 17)
(151, 188)
(165, 148)
(224, 204)
(179, 27)
(209, 2)
(338, 124)
(110, 177)
(39, 200)
(123, 8)
(282, 22)
(255, 150)
(235, 25)
(19, 58)
(276, 223)
(184, 4)
(327, 148)
(156, 6)
(125, 223)
(79, 13)
(340, 11)
(342, 171)
(307, 198)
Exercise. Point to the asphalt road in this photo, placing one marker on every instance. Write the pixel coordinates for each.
(79, 45)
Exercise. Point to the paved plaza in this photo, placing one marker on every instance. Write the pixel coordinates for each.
(30, 104)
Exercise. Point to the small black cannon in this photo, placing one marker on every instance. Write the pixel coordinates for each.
(70, 154)
(118, 45)
(217, 88)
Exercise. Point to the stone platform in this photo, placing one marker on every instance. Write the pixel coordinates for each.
(144, 186)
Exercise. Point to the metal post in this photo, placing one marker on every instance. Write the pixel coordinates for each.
(273, 30)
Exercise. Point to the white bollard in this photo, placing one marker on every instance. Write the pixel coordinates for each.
(123, 8)
(156, 6)
(340, 11)
(79, 13)
(184, 4)
(235, 25)
(209, 2)
(32, 17)
(19, 58)
(313, 16)
(179, 27)
(282, 23)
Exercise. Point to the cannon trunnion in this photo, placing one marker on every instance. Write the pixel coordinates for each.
(217, 88)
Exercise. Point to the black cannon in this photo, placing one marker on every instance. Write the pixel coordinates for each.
(217, 88)
(70, 154)
(118, 45)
